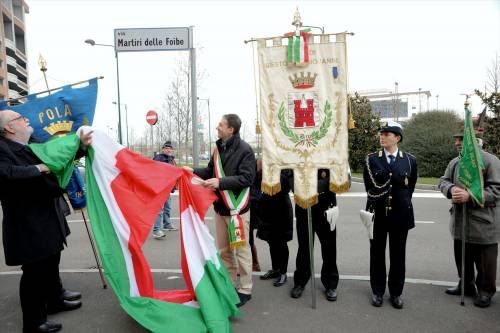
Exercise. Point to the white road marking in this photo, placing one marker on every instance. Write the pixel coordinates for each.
(425, 222)
(172, 218)
(436, 195)
(342, 277)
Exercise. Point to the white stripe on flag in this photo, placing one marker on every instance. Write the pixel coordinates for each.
(105, 172)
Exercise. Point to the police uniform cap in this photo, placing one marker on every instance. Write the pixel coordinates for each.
(393, 127)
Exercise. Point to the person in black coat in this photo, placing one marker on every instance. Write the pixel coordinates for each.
(276, 227)
(389, 177)
(34, 224)
(327, 238)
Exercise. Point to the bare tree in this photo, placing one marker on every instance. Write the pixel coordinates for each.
(493, 76)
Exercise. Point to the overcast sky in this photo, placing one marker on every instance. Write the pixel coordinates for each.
(441, 46)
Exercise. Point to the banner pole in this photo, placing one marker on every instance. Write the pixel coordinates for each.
(50, 90)
(464, 221)
(104, 285)
(311, 257)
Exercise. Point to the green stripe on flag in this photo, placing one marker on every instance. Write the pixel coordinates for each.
(290, 50)
(215, 293)
(58, 155)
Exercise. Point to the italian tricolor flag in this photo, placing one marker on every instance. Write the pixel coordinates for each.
(125, 193)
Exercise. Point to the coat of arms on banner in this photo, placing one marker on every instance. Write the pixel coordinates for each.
(303, 102)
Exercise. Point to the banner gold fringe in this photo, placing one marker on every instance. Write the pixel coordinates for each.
(340, 188)
(238, 244)
(270, 189)
(305, 203)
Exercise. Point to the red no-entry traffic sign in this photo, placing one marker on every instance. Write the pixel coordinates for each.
(152, 117)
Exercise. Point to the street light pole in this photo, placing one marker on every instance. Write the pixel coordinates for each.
(126, 122)
(91, 42)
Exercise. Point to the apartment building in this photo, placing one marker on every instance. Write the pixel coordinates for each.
(13, 60)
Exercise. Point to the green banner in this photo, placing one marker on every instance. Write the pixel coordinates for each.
(471, 164)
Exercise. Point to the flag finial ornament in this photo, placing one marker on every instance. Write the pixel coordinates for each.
(297, 20)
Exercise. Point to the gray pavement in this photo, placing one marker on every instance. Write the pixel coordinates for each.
(430, 267)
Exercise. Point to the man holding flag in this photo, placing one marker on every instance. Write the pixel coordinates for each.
(472, 182)
(34, 225)
(230, 173)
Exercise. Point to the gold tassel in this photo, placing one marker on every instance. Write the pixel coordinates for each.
(238, 244)
(306, 203)
(340, 188)
(352, 123)
(270, 189)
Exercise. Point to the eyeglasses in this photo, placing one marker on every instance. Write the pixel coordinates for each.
(18, 118)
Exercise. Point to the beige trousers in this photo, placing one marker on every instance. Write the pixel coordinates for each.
(238, 260)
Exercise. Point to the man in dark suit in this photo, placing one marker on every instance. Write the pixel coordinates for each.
(34, 224)
(390, 177)
(327, 238)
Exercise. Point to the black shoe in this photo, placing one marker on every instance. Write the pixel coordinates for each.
(64, 306)
(482, 301)
(270, 274)
(48, 326)
(377, 300)
(331, 295)
(281, 280)
(469, 291)
(296, 291)
(71, 295)
(397, 302)
(243, 299)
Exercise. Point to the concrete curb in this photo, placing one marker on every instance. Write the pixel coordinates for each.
(418, 186)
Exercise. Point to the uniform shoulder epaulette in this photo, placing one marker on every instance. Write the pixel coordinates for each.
(372, 154)
(407, 153)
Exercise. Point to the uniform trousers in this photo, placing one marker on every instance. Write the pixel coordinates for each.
(484, 257)
(327, 238)
(40, 287)
(279, 255)
(397, 256)
(237, 261)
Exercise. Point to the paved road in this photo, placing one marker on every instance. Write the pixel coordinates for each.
(430, 267)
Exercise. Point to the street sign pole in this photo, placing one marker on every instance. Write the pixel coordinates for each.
(192, 59)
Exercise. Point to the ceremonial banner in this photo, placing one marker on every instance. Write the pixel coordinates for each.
(304, 113)
(470, 167)
(61, 112)
(125, 194)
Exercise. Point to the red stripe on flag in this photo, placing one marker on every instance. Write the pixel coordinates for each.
(204, 199)
(140, 191)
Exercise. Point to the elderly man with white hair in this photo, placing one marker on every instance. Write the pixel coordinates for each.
(34, 224)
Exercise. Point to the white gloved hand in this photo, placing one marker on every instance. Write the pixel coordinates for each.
(332, 215)
(367, 220)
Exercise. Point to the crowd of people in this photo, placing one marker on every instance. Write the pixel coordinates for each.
(34, 233)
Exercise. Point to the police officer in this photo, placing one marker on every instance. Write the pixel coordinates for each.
(390, 176)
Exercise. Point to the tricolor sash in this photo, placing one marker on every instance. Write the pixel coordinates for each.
(236, 227)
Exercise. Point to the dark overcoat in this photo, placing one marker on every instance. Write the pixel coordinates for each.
(390, 189)
(276, 213)
(238, 162)
(34, 225)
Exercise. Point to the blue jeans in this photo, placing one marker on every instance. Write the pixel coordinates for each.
(163, 217)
